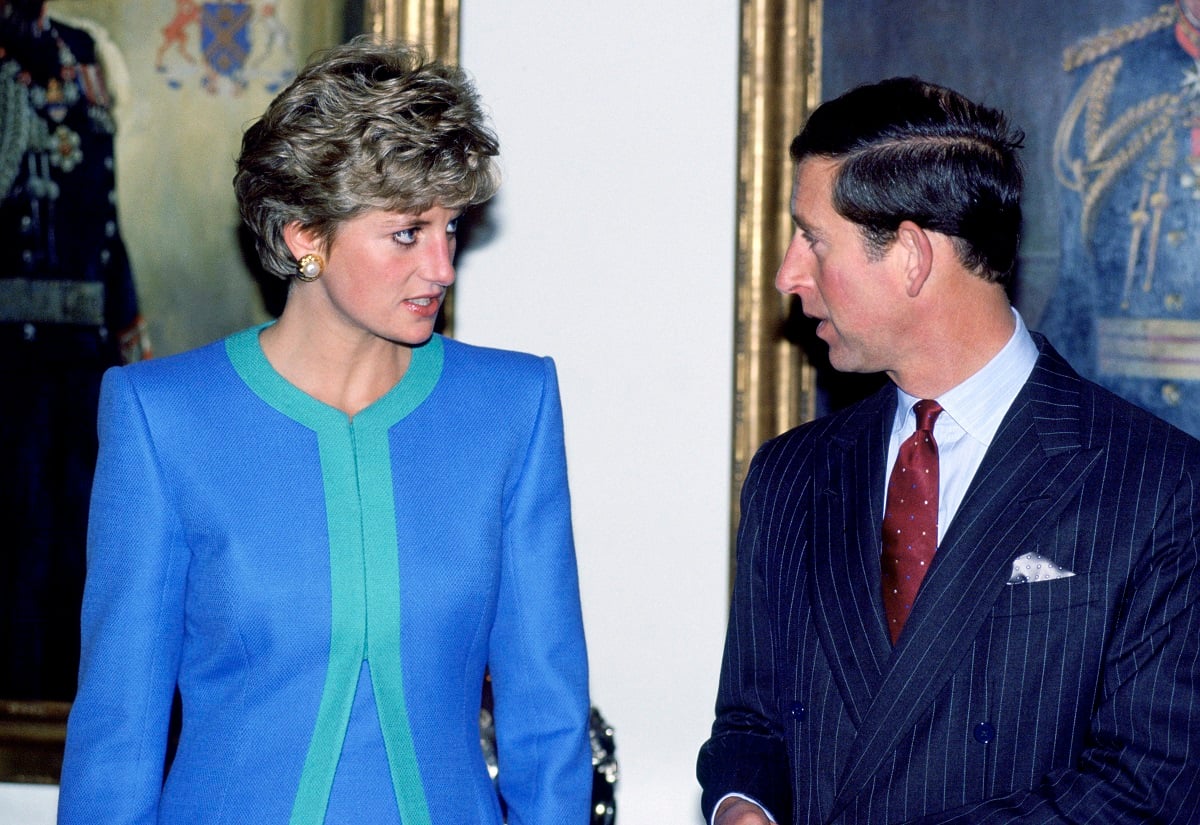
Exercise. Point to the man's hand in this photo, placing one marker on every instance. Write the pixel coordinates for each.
(740, 812)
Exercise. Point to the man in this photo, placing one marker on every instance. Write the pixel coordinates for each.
(1048, 668)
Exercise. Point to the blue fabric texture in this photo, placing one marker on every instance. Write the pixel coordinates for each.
(327, 593)
(1127, 156)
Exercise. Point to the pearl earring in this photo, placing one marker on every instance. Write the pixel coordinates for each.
(309, 268)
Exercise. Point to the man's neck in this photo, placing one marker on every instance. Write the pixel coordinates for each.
(960, 347)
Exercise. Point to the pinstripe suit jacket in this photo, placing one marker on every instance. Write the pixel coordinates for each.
(1072, 700)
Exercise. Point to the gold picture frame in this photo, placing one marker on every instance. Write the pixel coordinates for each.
(430, 23)
(774, 384)
(31, 741)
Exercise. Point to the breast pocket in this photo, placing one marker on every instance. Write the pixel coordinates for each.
(1027, 599)
(1038, 663)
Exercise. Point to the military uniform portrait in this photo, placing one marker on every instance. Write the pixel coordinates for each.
(68, 311)
(1108, 95)
(1127, 156)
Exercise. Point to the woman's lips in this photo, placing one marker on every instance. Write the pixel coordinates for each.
(425, 307)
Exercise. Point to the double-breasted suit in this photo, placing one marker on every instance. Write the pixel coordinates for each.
(1072, 699)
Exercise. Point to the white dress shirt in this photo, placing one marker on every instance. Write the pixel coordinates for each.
(971, 415)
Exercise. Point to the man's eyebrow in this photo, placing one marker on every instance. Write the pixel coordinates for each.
(804, 226)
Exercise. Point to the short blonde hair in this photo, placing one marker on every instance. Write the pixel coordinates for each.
(365, 125)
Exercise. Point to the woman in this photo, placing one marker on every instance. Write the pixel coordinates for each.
(322, 531)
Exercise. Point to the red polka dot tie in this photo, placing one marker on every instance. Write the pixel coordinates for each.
(910, 519)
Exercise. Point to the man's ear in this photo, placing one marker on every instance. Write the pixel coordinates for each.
(916, 251)
(300, 240)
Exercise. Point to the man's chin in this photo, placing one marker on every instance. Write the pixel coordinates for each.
(844, 361)
(839, 359)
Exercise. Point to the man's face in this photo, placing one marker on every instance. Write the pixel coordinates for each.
(853, 295)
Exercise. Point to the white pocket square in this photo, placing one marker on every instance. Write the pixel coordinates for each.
(1031, 568)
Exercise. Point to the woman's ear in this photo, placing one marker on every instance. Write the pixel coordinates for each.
(914, 244)
(300, 240)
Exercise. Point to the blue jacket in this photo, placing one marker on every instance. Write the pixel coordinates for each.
(326, 594)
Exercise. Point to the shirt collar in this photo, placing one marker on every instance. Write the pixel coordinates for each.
(979, 404)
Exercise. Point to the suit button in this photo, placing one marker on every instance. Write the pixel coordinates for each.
(796, 711)
(984, 733)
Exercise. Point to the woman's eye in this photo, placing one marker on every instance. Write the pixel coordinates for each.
(407, 237)
(452, 227)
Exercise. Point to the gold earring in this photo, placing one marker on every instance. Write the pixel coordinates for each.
(309, 268)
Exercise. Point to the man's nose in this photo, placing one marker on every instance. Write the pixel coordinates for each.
(795, 273)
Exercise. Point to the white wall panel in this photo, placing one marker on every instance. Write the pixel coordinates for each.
(612, 249)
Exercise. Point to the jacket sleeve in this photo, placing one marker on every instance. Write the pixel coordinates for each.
(1141, 762)
(132, 626)
(746, 754)
(537, 658)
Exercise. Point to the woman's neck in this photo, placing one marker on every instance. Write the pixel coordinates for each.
(347, 372)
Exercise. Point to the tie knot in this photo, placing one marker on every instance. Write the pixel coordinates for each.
(927, 412)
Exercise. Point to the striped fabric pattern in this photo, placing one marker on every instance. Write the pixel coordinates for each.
(1070, 700)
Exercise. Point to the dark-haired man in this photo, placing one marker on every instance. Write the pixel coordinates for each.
(973, 597)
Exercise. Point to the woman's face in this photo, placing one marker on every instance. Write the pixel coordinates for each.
(386, 273)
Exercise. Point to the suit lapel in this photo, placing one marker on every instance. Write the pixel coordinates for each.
(848, 612)
(1035, 463)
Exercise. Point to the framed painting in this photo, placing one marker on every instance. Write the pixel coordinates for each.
(185, 77)
(1108, 95)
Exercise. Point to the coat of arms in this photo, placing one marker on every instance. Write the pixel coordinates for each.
(225, 45)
